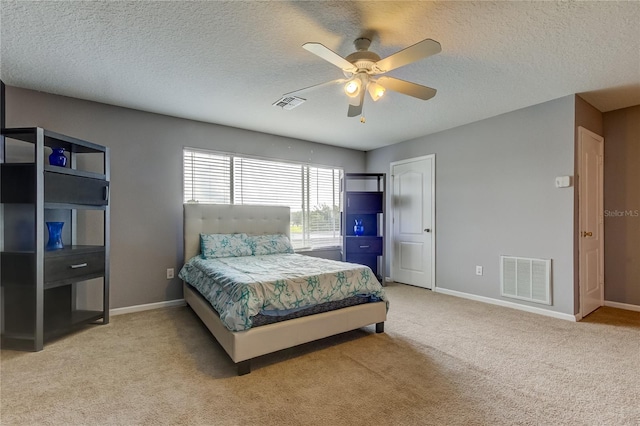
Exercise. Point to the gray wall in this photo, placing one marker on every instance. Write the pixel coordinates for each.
(622, 194)
(146, 184)
(495, 195)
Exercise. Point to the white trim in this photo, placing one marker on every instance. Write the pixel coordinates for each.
(619, 305)
(433, 214)
(147, 307)
(506, 304)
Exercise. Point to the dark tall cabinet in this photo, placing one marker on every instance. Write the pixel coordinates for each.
(40, 287)
(364, 201)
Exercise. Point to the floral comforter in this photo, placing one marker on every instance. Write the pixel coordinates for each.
(241, 287)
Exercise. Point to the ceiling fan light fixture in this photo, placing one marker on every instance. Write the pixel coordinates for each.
(376, 91)
(352, 88)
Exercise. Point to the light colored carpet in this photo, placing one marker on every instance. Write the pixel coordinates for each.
(442, 361)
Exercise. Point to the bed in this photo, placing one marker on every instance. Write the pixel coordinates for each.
(244, 345)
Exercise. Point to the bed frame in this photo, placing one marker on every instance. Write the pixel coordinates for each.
(242, 346)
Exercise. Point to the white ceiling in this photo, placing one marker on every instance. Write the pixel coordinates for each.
(227, 62)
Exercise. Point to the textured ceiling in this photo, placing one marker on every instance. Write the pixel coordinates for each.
(227, 62)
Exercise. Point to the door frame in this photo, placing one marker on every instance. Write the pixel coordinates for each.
(434, 228)
(581, 131)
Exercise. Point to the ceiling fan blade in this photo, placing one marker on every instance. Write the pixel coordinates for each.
(316, 86)
(330, 56)
(355, 101)
(355, 107)
(420, 50)
(407, 88)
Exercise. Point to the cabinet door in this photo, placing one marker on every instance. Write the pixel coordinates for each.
(67, 189)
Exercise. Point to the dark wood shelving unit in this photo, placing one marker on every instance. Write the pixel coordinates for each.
(364, 200)
(39, 286)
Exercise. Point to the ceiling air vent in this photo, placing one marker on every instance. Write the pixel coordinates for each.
(289, 102)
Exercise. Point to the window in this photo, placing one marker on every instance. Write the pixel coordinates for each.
(312, 193)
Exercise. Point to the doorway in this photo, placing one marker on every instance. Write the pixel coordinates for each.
(413, 221)
(590, 220)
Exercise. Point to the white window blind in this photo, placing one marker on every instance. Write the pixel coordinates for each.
(323, 201)
(267, 182)
(312, 193)
(207, 177)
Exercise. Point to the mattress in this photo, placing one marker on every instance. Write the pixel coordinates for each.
(265, 319)
(278, 285)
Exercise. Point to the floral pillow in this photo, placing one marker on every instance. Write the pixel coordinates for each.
(269, 244)
(213, 246)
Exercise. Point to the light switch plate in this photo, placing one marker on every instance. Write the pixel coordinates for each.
(563, 181)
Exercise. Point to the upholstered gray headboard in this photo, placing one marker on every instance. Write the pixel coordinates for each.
(228, 219)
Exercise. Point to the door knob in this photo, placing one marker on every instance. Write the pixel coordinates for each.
(427, 230)
(587, 234)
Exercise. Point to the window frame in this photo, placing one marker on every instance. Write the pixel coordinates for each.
(305, 170)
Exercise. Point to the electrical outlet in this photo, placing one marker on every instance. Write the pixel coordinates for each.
(169, 273)
(478, 270)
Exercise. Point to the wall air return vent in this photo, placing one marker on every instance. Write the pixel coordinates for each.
(526, 279)
(289, 102)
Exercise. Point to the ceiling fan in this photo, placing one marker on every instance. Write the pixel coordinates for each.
(361, 70)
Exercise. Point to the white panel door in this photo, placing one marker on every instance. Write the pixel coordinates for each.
(591, 227)
(413, 236)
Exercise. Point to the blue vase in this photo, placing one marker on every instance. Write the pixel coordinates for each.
(55, 235)
(358, 228)
(57, 157)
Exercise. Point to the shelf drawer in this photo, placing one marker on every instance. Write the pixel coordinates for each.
(74, 267)
(357, 245)
(67, 189)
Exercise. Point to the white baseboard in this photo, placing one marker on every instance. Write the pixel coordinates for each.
(532, 309)
(147, 307)
(619, 305)
(507, 304)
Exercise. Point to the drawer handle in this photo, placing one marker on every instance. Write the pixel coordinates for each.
(365, 246)
(78, 266)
